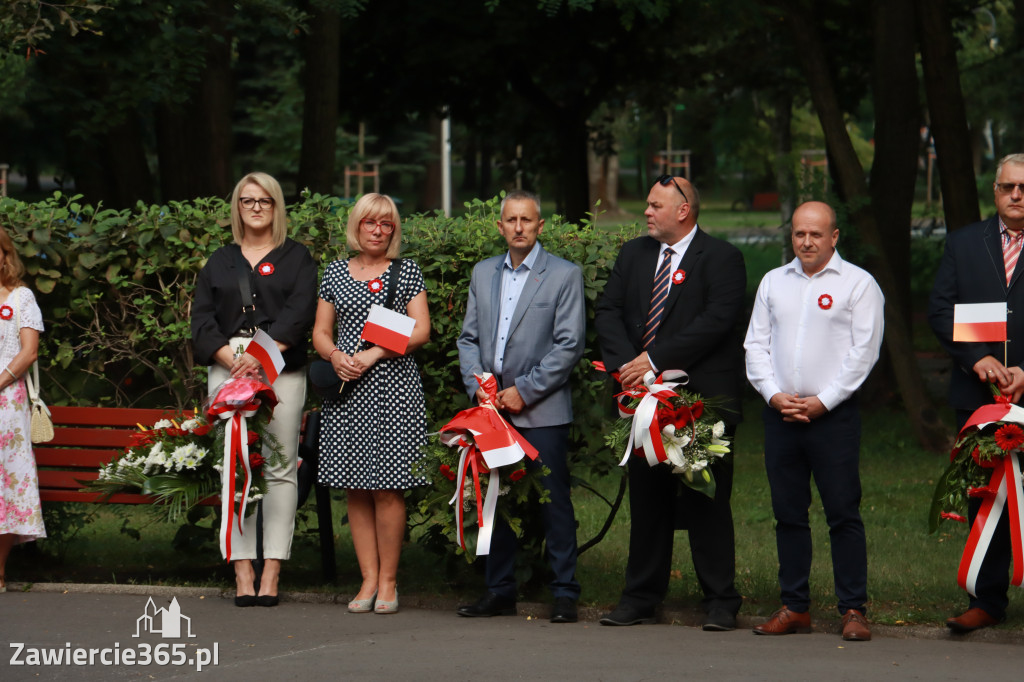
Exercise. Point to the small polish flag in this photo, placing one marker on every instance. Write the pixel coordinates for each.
(388, 329)
(264, 349)
(975, 322)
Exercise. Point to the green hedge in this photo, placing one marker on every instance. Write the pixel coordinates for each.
(115, 288)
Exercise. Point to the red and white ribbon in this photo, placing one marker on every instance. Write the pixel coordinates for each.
(1002, 492)
(235, 401)
(644, 432)
(486, 442)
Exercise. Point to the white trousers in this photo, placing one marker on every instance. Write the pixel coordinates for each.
(282, 486)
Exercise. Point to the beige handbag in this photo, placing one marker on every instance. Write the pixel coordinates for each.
(42, 423)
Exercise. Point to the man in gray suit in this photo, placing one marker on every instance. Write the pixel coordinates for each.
(525, 324)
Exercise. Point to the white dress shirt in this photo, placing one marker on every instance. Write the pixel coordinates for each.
(678, 251)
(814, 336)
(512, 283)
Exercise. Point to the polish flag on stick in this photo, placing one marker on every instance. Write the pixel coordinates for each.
(388, 329)
(265, 349)
(975, 322)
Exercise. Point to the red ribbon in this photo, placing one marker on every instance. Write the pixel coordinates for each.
(235, 400)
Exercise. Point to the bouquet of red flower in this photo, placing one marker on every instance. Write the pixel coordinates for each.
(665, 423)
(985, 464)
(479, 456)
(180, 461)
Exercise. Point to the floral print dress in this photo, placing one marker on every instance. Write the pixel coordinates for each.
(20, 512)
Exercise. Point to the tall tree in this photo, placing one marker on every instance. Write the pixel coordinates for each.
(947, 109)
(321, 85)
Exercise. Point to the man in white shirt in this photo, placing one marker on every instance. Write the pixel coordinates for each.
(814, 335)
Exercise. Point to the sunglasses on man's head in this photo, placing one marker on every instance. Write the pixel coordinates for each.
(665, 179)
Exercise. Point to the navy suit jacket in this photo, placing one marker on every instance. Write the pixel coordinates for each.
(971, 271)
(545, 339)
(701, 330)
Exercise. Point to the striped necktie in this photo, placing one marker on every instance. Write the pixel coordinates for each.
(659, 295)
(1011, 252)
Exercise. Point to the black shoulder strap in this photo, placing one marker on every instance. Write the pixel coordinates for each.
(248, 299)
(393, 270)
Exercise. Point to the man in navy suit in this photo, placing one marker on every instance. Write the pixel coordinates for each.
(980, 265)
(525, 324)
(698, 331)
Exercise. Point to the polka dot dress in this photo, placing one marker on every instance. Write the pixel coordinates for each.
(370, 440)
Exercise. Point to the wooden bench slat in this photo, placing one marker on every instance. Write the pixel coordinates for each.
(56, 478)
(109, 438)
(74, 457)
(110, 416)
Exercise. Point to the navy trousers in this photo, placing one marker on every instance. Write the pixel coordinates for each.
(558, 517)
(994, 576)
(828, 448)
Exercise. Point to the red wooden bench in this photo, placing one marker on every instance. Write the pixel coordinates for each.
(86, 438)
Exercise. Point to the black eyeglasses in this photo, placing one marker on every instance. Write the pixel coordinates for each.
(1008, 187)
(665, 179)
(249, 202)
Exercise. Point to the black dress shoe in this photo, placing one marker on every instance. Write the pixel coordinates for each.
(564, 610)
(719, 620)
(245, 600)
(628, 615)
(268, 600)
(489, 605)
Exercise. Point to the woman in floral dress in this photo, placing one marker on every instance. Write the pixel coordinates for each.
(21, 517)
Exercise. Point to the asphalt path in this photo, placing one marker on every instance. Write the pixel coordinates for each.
(317, 640)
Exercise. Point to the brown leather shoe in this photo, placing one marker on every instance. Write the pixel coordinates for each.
(971, 619)
(855, 627)
(785, 622)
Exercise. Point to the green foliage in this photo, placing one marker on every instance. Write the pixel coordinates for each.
(31, 22)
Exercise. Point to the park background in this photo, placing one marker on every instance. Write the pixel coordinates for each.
(126, 123)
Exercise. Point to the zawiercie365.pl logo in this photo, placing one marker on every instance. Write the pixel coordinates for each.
(169, 623)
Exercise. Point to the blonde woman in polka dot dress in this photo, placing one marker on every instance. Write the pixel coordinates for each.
(369, 440)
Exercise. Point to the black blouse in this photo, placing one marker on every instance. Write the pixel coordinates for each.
(285, 296)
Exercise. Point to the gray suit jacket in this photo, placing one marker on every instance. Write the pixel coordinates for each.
(545, 341)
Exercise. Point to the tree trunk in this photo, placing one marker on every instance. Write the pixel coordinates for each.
(897, 127)
(924, 421)
(781, 123)
(573, 180)
(112, 168)
(194, 140)
(430, 192)
(321, 86)
(948, 114)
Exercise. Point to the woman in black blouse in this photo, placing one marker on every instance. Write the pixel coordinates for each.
(283, 280)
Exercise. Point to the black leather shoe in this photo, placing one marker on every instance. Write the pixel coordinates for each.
(489, 605)
(628, 615)
(245, 600)
(564, 610)
(719, 620)
(267, 600)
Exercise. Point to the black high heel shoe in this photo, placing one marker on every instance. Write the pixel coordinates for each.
(267, 600)
(244, 600)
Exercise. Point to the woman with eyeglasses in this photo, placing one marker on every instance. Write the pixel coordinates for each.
(263, 280)
(370, 438)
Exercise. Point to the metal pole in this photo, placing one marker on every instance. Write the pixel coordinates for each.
(446, 166)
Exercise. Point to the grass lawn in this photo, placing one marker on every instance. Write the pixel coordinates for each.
(912, 575)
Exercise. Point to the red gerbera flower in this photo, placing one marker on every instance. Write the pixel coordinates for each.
(6, 312)
(375, 285)
(1009, 437)
(202, 430)
(953, 517)
(516, 475)
(447, 472)
(266, 269)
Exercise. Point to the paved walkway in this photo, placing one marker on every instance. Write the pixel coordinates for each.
(310, 637)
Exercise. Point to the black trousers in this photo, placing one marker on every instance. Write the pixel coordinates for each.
(827, 448)
(994, 575)
(657, 498)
